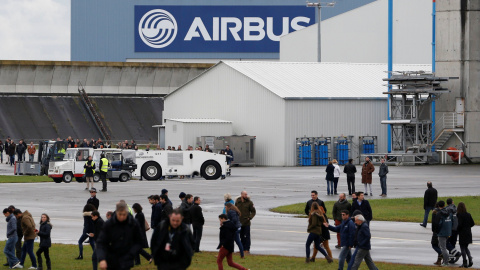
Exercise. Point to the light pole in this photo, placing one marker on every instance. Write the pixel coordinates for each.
(319, 6)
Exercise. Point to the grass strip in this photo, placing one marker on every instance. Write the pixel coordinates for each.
(24, 179)
(63, 257)
(403, 209)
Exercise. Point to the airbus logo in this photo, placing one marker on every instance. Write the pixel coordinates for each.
(158, 28)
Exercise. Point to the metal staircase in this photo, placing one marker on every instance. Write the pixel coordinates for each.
(93, 113)
(448, 125)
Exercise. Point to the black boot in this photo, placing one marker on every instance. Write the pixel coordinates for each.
(470, 262)
(464, 265)
(80, 257)
(49, 265)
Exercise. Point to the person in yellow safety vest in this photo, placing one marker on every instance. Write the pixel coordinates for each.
(89, 171)
(103, 171)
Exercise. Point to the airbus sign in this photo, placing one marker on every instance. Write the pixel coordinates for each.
(216, 28)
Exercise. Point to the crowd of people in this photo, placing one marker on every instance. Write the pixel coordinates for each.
(352, 225)
(119, 240)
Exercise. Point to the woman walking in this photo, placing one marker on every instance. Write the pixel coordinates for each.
(228, 199)
(315, 223)
(465, 224)
(329, 170)
(336, 175)
(45, 242)
(88, 228)
(325, 238)
(233, 215)
(140, 217)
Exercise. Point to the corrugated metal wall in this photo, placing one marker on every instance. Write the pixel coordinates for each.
(224, 93)
(186, 134)
(316, 118)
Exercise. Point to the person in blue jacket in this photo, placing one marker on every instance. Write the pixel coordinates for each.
(363, 244)
(347, 234)
(444, 229)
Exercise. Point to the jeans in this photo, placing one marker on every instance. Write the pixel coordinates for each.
(1, 156)
(335, 184)
(437, 249)
(18, 246)
(239, 242)
(197, 236)
(351, 185)
(383, 184)
(94, 259)
(28, 248)
(442, 243)
(20, 157)
(453, 238)
(9, 250)
(12, 160)
(330, 187)
(366, 189)
(425, 217)
(30, 158)
(352, 259)
(465, 253)
(315, 238)
(245, 236)
(361, 255)
(345, 255)
(82, 239)
(225, 253)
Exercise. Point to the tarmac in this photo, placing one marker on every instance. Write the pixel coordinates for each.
(272, 233)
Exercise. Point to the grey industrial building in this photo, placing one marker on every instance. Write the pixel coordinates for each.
(278, 102)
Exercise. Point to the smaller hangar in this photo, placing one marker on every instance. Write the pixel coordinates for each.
(278, 102)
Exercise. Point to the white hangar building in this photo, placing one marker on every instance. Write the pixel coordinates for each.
(279, 101)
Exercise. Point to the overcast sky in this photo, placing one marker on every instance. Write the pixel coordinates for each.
(35, 30)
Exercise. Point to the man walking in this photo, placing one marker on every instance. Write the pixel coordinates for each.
(429, 201)
(341, 205)
(444, 230)
(119, 241)
(363, 246)
(155, 219)
(363, 206)
(18, 246)
(167, 208)
(28, 228)
(172, 243)
(197, 222)
(247, 212)
(382, 173)
(367, 170)
(9, 250)
(314, 196)
(350, 171)
(185, 207)
(347, 231)
(103, 171)
(98, 226)
(453, 238)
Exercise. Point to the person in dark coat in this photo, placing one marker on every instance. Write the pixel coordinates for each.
(98, 226)
(363, 206)
(156, 210)
(197, 222)
(140, 217)
(350, 171)
(88, 228)
(363, 246)
(11, 152)
(20, 150)
(382, 173)
(347, 231)
(89, 170)
(119, 241)
(187, 203)
(314, 196)
(367, 170)
(330, 178)
(93, 200)
(429, 201)
(18, 246)
(233, 214)
(325, 237)
(226, 246)
(45, 242)
(464, 229)
(166, 207)
(172, 243)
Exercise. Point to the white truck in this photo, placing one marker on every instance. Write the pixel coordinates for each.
(121, 165)
(154, 164)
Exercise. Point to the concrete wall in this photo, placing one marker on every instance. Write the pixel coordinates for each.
(360, 35)
(98, 78)
(458, 55)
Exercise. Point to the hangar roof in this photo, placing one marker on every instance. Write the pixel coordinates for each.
(291, 80)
